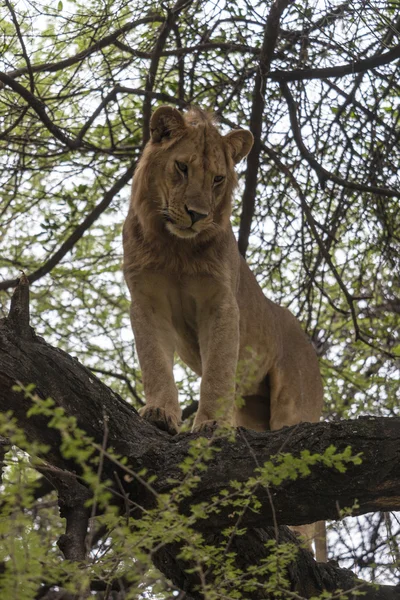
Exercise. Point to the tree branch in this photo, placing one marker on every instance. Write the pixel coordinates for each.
(155, 59)
(350, 69)
(321, 245)
(256, 121)
(324, 174)
(307, 577)
(76, 234)
(40, 109)
(99, 45)
(72, 498)
(22, 44)
(242, 48)
(375, 484)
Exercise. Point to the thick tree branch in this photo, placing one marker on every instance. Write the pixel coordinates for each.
(4, 448)
(307, 578)
(375, 484)
(125, 379)
(72, 498)
(19, 310)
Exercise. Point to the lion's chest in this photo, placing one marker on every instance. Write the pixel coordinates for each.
(184, 316)
(179, 308)
(193, 301)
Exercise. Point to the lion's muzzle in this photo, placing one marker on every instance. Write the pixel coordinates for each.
(195, 216)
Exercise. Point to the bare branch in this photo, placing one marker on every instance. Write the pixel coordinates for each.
(76, 234)
(99, 45)
(256, 121)
(324, 174)
(40, 109)
(22, 44)
(340, 71)
(172, 15)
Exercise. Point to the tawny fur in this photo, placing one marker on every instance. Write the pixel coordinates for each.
(192, 293)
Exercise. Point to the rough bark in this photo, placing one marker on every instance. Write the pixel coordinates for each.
(307, 577)
(375, 484)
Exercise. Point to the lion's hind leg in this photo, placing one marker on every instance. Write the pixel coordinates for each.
(320, 540)
(313, 533)
(288, 408)
(254, 414)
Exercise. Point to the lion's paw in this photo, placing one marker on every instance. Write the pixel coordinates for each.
(209, 425)
(160, 418)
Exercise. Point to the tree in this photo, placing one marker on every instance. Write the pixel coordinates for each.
(317, 218)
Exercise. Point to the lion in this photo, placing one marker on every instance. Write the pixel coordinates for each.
(193, 293)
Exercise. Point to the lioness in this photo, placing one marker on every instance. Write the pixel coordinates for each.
(192, 293)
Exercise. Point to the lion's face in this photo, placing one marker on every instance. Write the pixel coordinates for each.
(196, 164)
(195, 182)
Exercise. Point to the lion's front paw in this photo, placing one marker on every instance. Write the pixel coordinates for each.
(160, 418)
(209, 425)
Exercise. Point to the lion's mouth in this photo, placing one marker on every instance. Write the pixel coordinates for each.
(178, 230)
(181, 232)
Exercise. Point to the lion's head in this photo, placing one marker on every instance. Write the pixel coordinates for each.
(186, 175)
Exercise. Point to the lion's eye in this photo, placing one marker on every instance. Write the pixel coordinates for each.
(218, 178)
(181, 166)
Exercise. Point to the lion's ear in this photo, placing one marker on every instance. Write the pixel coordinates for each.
(165, 123)
(239, 143)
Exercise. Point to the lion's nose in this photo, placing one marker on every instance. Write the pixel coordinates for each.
(195, 216)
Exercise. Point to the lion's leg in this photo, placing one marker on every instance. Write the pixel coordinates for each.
(286, 410)
(292, 401)
(254, 414)
(306, 533)
(320, 540)
(314, 532)
(219, 348)
(154, 339)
